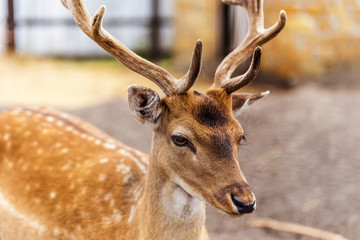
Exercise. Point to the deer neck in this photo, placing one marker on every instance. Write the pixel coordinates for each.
(167, 211)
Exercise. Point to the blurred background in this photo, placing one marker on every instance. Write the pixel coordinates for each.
(302, 157)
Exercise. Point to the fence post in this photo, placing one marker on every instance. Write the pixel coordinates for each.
(155, 24)
(225, 30)
(10, 37)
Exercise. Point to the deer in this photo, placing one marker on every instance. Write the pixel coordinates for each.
(62, 178)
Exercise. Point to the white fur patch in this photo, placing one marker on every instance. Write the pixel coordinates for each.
(122, 168)
(107, 196)
(6, 137)
(104, 160)
(109, 146)
(52, 194)
(184, 206)
(50, 119)
(132, 212)
(6, 205)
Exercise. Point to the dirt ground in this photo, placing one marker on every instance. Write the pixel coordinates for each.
(302, 156)
(302, 159)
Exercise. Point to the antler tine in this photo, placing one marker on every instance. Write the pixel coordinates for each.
(194, 69)
(256, 36)
(233, 84)
(92, 26)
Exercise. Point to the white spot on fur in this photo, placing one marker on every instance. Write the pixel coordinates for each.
(132, 212)
(69, 128)
(97, 142)
(116, 216)
(64, 150)
(6, 137)
(65, 167)
(122, 168)
(59, 123)
(104, 160)
(39, 151)
(137, 195)
(49, 118)
(127, 177)
(102, 177)
(109, 145)
(52, 195)
(56, 232)
(144, 159)
(27, 133)
(107, 196)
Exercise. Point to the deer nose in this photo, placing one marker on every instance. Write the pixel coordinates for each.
(243, 207)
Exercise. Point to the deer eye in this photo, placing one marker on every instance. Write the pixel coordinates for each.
(179, 141)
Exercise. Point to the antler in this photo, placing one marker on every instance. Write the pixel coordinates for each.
(256, 36)
(92, 26)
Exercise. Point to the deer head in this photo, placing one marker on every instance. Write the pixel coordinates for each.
(196, 137)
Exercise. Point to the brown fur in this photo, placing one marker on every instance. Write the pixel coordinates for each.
(61, 178)
(61, 174)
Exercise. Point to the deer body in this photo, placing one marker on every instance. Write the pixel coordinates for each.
(108, 176)
(61, 178)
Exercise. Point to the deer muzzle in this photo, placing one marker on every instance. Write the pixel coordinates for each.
(237, 199)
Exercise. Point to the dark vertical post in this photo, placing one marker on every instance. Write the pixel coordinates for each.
(155, 51)
(10, 38)
(226, 30)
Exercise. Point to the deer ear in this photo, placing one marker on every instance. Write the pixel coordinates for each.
(241, 101)
(144, 104)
